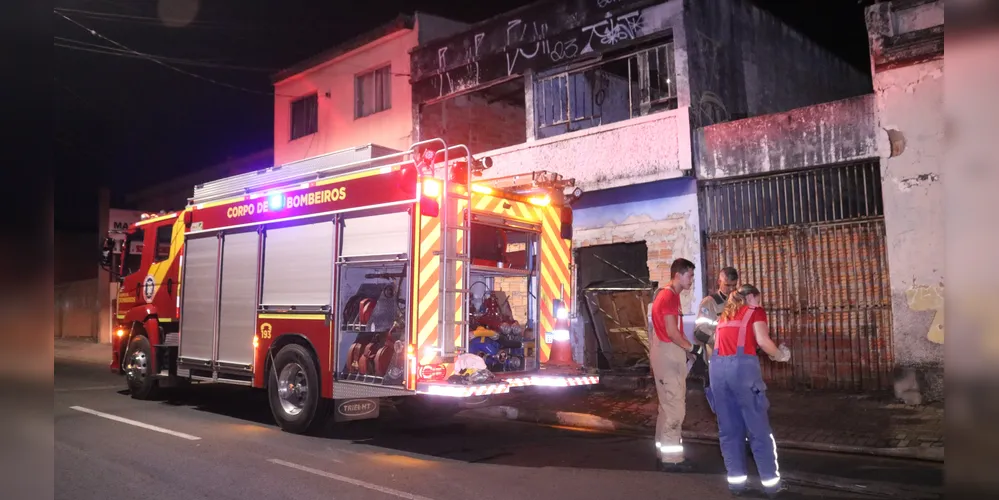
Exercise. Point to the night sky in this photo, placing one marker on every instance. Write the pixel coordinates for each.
(124, 121)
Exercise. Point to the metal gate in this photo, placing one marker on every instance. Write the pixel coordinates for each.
(814, 243)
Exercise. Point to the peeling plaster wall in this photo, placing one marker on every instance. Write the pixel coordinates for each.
(639, 150)
(906, 41)
(745, 62)
(910, 100)
(823, 134)
(663, 214)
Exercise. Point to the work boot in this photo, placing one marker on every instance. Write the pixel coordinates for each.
(685, 466)
(776, 491)
(738, 491)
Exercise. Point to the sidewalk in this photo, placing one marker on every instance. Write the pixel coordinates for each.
(801, 420)
(83, 350)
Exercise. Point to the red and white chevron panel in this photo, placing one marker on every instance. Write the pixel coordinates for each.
(553, 380)
(464, 391)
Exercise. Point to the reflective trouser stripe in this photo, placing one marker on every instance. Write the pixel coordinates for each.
(737, 479)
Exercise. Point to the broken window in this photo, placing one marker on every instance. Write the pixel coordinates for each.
(615, 89)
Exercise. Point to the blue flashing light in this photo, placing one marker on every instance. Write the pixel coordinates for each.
(276, 201)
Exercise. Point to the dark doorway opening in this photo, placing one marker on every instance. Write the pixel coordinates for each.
(613, 294)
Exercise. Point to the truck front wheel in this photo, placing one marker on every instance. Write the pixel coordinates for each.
(141, 383)
(293, 391)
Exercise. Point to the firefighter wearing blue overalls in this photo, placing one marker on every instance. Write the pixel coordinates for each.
(737, 393)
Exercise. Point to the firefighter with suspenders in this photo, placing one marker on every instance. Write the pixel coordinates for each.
(738, 395)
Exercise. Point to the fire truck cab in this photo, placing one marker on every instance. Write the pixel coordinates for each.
(337, 283)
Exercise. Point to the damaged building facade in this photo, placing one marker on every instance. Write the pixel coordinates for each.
(834, 210)
(907, 47)
(610, 93)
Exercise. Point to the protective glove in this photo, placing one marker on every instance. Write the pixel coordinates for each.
(784, 356)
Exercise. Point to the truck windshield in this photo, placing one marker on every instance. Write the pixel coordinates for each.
(133, 252)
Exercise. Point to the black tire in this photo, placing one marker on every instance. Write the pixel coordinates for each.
(294, 411)
(425, 408)
(141, 383)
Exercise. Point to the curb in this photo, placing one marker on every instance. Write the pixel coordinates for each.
(62, 356)
(82, 351)
(588, 421)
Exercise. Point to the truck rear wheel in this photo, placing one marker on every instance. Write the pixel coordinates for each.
(141, 382)
(293, 391)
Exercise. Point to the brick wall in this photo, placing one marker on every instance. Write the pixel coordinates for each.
(667, 239)
(473, 121)
(515, 289)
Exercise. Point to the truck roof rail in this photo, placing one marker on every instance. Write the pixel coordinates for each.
(336, 163)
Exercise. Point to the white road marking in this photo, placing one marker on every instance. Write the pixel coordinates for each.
(349, 480)
(123, 420)
(91, 388)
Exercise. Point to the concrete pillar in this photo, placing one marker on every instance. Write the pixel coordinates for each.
(529, 105)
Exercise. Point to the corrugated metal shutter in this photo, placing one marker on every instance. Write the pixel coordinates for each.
(385, 234)
(814, 243)
(238, 302)
(298, 265)
(200, 298)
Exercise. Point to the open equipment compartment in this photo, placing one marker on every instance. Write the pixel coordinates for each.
(373, 298)
(503, 293)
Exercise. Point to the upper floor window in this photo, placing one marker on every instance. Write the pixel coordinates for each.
(304, 116)
(372, 92)
(615, 89)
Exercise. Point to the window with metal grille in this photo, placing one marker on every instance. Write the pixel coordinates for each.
(372, 92)
(304, 116)
(615, 89)
(829, 194)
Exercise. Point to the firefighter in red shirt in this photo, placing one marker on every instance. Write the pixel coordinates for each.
(668, 350)
(737, 393)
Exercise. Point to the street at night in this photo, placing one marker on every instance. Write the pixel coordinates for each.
(524, 249)
(220, 442)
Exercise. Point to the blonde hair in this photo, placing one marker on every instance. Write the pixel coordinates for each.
(736, 300)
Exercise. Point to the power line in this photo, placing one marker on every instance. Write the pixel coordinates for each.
(156, 21)
(161, 63)
(103, 49)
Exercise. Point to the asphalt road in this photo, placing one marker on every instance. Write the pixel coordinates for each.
(219, 443)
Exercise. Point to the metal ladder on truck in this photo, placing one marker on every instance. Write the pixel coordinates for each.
(455, 259)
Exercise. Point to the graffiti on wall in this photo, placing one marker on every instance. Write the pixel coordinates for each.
(707, 107)
(537, 38)
(922, 298)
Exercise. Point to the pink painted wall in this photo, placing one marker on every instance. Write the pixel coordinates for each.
(634, 151)
(338, 129)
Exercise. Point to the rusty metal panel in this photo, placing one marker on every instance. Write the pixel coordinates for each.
(819, 257)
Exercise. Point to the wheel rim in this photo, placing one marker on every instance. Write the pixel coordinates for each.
(293, 388)
(137, 368)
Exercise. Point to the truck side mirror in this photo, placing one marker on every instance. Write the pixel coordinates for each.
(107, 250)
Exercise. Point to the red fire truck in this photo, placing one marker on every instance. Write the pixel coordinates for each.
(350, 278)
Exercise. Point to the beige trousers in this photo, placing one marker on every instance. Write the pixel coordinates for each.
(669, 369)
